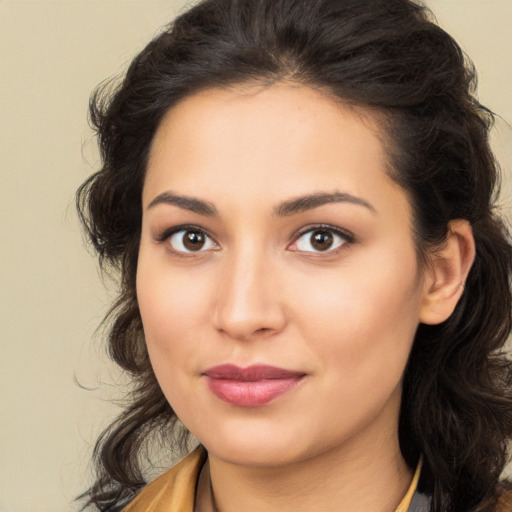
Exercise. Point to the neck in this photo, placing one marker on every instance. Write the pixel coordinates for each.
(367, 473)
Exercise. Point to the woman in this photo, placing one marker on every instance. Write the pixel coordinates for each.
(298, 197)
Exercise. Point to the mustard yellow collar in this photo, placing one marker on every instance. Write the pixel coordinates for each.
(175, 490)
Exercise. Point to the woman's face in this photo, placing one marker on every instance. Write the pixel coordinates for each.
(274, 242)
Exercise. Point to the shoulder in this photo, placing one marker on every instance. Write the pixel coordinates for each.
(174, 490)
(505, 501)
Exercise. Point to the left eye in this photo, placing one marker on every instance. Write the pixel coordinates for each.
(320, 240)
(191, 240)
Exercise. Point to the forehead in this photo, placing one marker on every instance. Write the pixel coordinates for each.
(266, 140)
(264, 109)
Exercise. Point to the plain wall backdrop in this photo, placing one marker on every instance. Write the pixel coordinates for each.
(52, 54)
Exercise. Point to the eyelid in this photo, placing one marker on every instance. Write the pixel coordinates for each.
(343, 233)
(169, 232)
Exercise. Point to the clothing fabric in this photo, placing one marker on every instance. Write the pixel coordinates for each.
(175, 490)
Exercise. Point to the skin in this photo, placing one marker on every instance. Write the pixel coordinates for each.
(258, 292)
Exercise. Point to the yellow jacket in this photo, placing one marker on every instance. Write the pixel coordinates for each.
(175, 490)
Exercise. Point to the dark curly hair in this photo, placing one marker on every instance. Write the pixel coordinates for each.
(391, 57)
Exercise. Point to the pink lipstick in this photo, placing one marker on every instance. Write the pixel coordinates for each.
(252, 386)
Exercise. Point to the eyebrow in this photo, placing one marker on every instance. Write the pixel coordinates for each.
(304, 203)
(185, 202)
(284, 209)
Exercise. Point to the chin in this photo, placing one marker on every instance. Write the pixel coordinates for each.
(263, 444)
(252, 445)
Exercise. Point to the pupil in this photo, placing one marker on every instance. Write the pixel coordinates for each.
(321, 240)
(193, 240)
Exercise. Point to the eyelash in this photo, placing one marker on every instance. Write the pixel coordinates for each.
(349, 238)
(168, 233)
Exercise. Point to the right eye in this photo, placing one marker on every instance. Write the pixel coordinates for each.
(190, 241)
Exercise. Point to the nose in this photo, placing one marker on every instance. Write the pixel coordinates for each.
(248, 303)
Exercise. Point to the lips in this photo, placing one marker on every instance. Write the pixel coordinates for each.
(252, 386)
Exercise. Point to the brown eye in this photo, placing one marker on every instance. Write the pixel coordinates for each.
(322, 240)
(191, 240)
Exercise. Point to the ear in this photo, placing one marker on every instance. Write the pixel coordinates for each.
(446, 273)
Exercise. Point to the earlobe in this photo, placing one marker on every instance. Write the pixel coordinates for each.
(446, 273)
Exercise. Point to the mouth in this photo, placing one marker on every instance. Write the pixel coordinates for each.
(253, 386)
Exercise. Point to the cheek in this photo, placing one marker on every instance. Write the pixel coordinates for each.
(363, 320)
(361, 330)
(172, 307)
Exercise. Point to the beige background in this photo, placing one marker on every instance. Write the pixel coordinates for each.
(52, 54)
